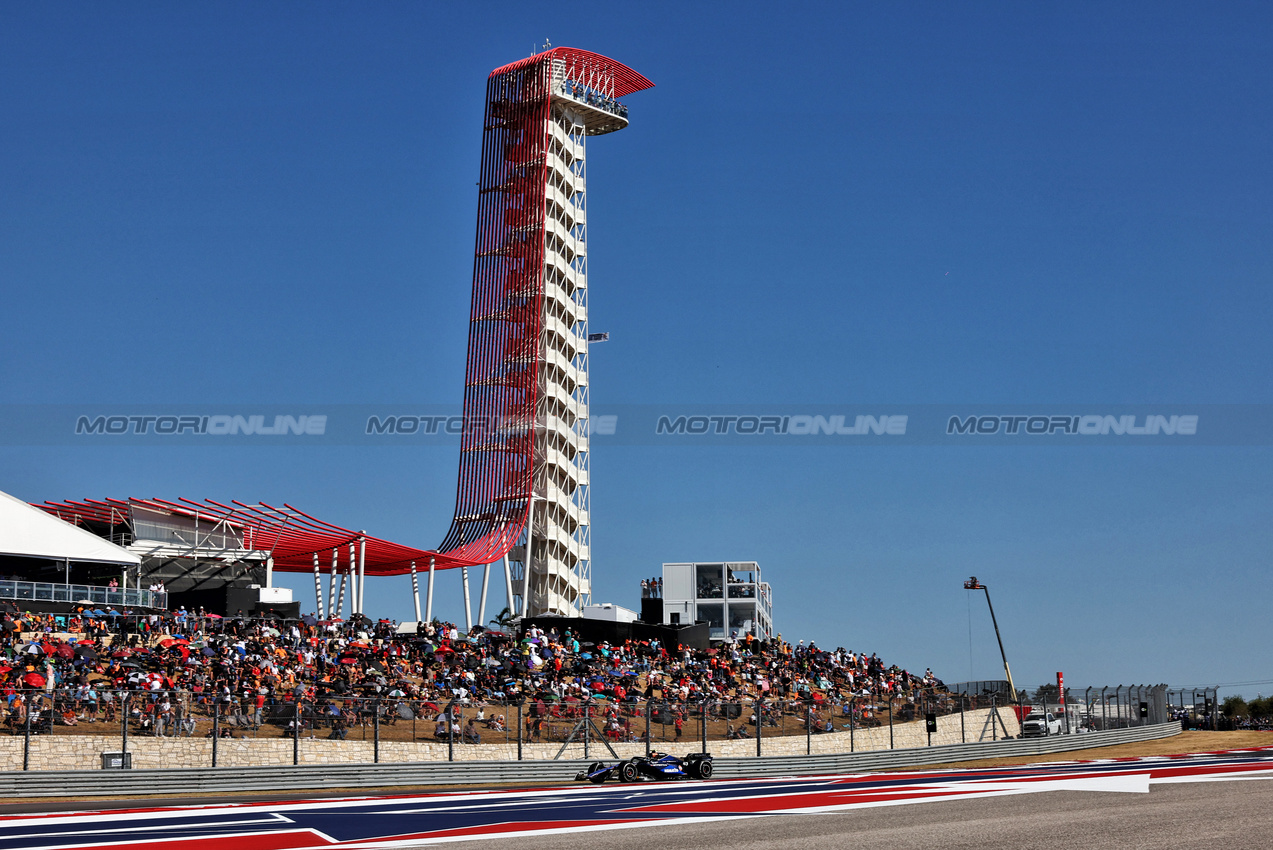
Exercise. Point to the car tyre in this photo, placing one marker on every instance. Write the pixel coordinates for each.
(593, 768)
(628, 772)
(703, 770)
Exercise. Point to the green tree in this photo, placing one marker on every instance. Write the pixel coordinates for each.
(1260, 707)
(1234, 706)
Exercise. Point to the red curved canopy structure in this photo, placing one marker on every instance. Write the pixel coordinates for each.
(288, 535)
(584, 66)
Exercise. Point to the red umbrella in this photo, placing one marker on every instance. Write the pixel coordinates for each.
(35, 680)
(122, 653)
(64, 651)
(4, 668)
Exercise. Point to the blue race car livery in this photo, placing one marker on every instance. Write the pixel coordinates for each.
(655, 766)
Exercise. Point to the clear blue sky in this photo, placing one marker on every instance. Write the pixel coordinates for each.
(830, 204)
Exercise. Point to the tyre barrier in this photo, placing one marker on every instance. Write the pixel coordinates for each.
(189, 781)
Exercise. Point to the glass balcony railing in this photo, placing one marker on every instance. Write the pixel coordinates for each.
(86, 594)
(583, 94)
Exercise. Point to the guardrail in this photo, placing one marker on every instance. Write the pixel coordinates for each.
(186, 781)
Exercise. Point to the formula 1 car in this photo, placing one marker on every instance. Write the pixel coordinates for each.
(655, 766)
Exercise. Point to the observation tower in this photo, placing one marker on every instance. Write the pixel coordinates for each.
(522, 496)
(523, 492)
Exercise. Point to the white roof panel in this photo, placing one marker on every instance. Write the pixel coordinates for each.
(30, 532)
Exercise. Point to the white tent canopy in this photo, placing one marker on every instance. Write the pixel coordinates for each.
(30, 532)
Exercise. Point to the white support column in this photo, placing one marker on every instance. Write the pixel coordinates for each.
(526, 570)
(415, 591)
(468, 604)
(269, 571)
(331, 586)
(428, 605)
(318, 589)
(481, 602)
(508, 586)
(340, 600)
(352, 574)
(362, 570)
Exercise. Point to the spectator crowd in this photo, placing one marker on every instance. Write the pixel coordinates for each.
(166, 669)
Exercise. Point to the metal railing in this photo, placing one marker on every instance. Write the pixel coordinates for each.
(583, 94)
(89, 594)
(535, 728)
(550, 729)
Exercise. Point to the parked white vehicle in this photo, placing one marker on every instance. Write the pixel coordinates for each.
(1037, 724)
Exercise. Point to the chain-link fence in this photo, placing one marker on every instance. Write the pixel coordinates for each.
(541, 727)
(399, 728)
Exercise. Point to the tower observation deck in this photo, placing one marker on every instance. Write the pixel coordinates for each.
(523, 492)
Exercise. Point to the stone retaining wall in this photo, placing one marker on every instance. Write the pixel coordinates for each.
(83, 752)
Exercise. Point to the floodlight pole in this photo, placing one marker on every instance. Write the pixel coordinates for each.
(973, 584)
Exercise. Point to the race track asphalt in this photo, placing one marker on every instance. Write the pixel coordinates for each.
(1212, 815)
(1210, 800)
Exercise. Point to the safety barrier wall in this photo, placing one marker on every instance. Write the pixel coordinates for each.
(185, 781)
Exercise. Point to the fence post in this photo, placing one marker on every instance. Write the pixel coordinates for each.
(296, 732)
(963, 732)
(450, 735)
(26, 741)
(216, 728)
(890, 721)
(760, 722)
(647, 728)
(808, 729)
(376, 745)
(123, 719)
(587, 728)
(853, 722)
(519, 731)
(703, 725)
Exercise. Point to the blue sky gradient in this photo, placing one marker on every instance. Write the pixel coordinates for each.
(839, 204)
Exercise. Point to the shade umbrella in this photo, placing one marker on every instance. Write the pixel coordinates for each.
(65, 651)
(32, 649)
(309, 620)
(34, 680)
(207, 651)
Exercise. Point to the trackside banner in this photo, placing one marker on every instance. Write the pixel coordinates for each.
(823, 424)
